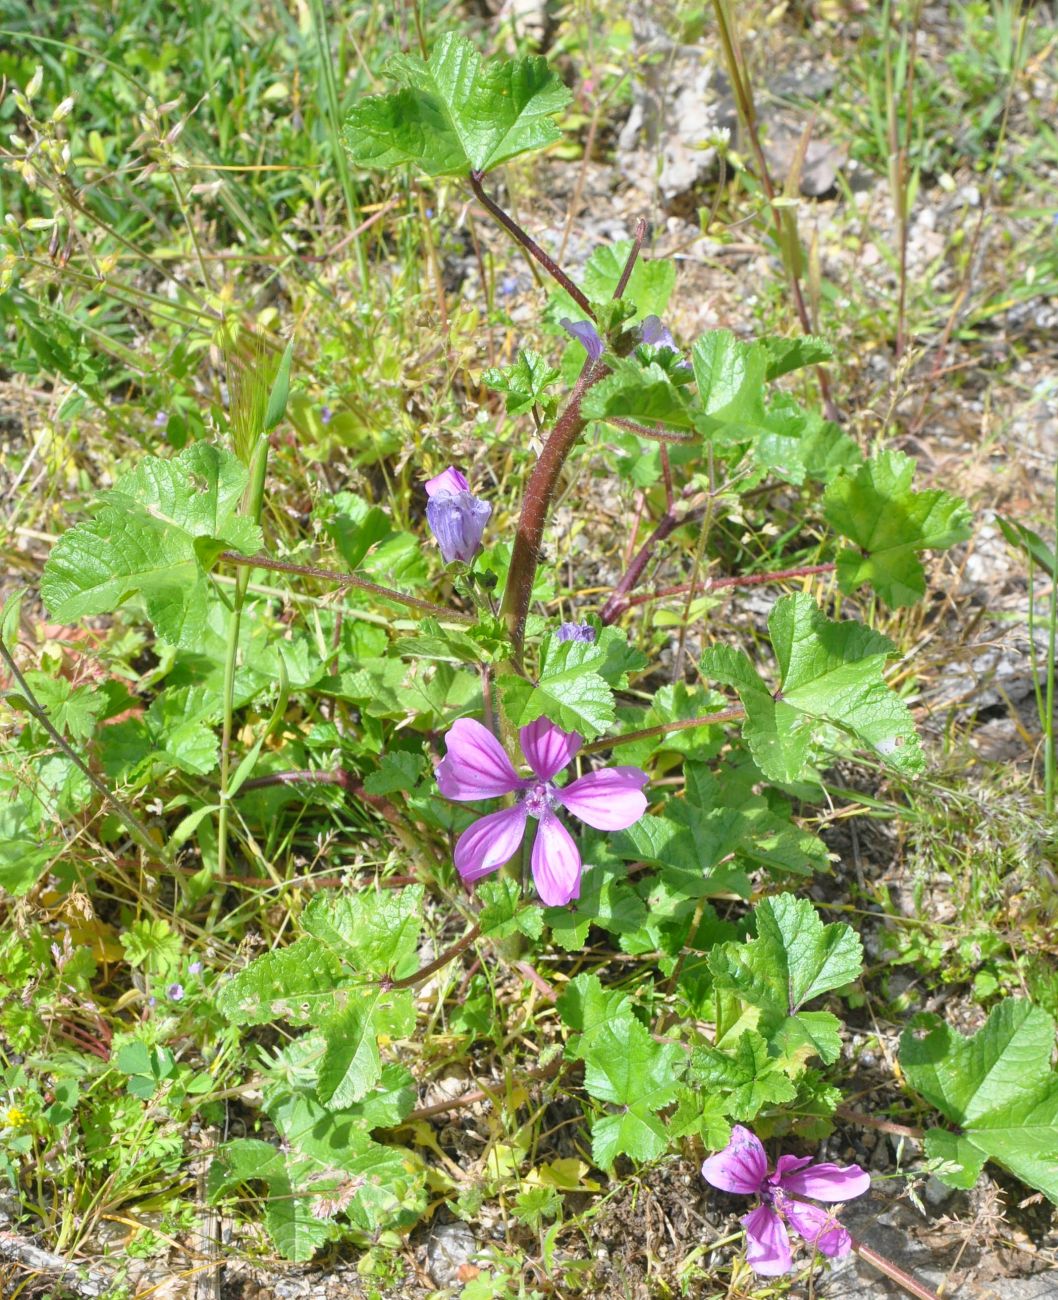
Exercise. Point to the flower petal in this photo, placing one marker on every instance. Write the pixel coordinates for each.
(786, 1165)
(457, 520)
(828, 1182)
(609, 800)
(490, 842)
(475, 765)
(586, 333)
(450, 480)
(654, 331)
(556, 863)
(547, 748)
(767, 1243)
(741, 1167)
(576, 632)
(818, 1227)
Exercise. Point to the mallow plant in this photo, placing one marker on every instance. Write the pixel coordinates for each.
(556, 762)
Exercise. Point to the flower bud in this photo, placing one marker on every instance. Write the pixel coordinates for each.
(456, 517)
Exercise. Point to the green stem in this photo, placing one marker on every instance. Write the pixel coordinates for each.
(1048, 719)
(253, 504)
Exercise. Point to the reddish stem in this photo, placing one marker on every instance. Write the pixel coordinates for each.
(902, 1278)
(670, 521)
(449, 954)
(658, 434)
(345, 580)
(715, 584)
(530, 245)
(707, 720)
(542, 482)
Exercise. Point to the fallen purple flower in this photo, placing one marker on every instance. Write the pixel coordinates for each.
(586, 334)
(742, 1168)
(477, 767)
(576, 632)
(456, 517)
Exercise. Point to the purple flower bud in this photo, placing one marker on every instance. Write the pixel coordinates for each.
(195, 968)
(576, 632)
(326, 414)
(456, 517)
(174, 992)
(586, 333)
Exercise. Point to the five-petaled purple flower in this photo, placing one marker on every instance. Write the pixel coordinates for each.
(742, 1167)
(456, 517)
(576, 632)
(476, 767)
(586, 334)
(655, 332)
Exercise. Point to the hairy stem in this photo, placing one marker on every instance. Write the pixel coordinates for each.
(347, 580)
(903, 1279)
(657, 433)
(138, 829)
(449, 954)
(670, 521)
(542, 484)
(629, 737)
(716, 584)
(530, 245)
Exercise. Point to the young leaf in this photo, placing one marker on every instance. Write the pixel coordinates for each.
(645, 394)
(525, 383)
(624, 1065)
(571, 691)
(351, 1064)
(831, 675)
(157, 534)
(750, 1078)
(730, 375)
(456, 113)
(997, 1086)
(878, 511)
(793, 959)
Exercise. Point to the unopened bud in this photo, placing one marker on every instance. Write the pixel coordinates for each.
(35, 82)
(63, 110)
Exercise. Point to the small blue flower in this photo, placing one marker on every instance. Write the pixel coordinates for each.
(585, 333)
(161, 419)
(508, 285)
(174, 992)
(456, 517)
(576, 632)
(195, 968)
(326, 414)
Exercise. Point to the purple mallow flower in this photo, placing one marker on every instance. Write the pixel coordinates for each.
(585, 333)
(456, 517)
(575, 632)
(476, 767)
(742, 1167)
